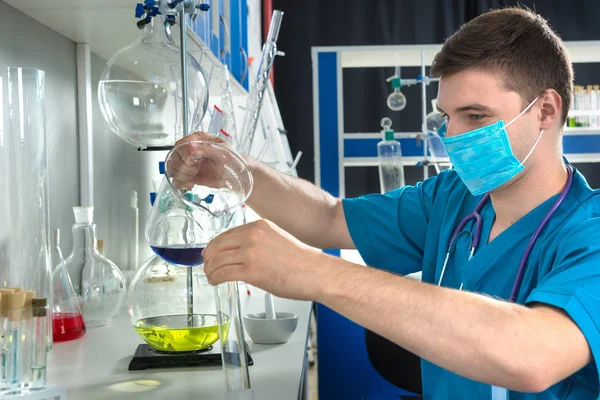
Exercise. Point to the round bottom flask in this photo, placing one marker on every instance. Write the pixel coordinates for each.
(167, 315)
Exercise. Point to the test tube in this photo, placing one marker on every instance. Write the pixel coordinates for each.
(39, 344)
(25, 345)
(15, 304)
(3, 326)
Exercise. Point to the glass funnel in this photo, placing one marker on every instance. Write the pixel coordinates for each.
(204, 186)
(140, 91)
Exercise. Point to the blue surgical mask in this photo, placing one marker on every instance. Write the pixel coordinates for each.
(483, 158)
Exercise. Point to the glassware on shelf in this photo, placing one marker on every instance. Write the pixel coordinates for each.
(24, 208)
(67, 319)
(396, 100)
(97, 281)
(389, 153)
(140, 90)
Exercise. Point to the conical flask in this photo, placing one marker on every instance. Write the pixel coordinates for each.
(139, 92)
(67, 319)
(98, 282)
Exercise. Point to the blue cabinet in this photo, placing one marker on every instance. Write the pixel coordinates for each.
(224, 29)
(239, 41)
(225, 24)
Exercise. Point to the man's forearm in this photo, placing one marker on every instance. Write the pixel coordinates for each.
(297, 206)
(475, 336)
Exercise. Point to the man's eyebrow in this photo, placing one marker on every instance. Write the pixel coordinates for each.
(468, 107)
(474, 107)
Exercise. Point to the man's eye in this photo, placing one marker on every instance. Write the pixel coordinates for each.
(476, 117)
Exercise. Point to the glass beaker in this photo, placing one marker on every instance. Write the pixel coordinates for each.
(139, 92)
(98, 282)
(205, 184)
(24, 207)
(201, 196)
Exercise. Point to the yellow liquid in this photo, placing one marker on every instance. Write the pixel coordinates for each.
(174, 333)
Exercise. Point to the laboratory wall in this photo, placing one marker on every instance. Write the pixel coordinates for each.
(118, 168)
(33, 45)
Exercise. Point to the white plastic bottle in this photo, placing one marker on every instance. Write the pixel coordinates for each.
(391, 171)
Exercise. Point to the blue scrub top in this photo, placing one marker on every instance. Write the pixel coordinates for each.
(408, 230)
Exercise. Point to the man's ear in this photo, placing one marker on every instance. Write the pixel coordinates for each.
(550, 104)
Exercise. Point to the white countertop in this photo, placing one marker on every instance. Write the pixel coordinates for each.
(96, 366)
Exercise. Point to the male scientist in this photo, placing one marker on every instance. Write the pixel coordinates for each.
(508, 240)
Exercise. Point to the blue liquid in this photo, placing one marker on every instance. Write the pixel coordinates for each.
(189, 256)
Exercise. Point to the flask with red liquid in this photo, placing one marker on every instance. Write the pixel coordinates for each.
(67, 319)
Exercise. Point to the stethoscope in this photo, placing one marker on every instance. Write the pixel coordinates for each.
(476, 237)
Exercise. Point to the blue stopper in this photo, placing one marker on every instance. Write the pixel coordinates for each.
(204, 7)
(209, 199)
(150, 3)
(161, 167)
(139, 10)
(152, 198)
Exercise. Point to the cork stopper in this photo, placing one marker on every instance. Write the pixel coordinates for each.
(4, 303)
(29, 295)
(15, 289)
(39, 307)
(14, 303)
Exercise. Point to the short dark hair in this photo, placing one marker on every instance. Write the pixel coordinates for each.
(516, 42)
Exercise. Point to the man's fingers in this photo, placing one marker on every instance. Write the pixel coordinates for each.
(231, 239)
(222, 259)
(227, 273)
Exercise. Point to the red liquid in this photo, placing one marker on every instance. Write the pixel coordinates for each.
(67, 326)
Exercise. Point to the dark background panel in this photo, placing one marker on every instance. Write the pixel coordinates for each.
(387, 22)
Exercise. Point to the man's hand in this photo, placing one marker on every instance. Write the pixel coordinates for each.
(199, 162)
(266, 256)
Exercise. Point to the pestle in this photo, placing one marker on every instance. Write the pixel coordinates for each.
(269, 307)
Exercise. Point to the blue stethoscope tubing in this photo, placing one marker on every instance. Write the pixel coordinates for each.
(476, 237)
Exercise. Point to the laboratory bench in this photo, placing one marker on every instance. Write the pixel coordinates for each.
(96, 365)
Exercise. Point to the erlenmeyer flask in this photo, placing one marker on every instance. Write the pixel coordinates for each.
(139, 92)
(98, 282)
(67, 320)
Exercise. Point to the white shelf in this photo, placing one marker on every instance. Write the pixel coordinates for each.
(583, 113)
(410, 55)
(581, 131)
(106, 25)
(406, 161)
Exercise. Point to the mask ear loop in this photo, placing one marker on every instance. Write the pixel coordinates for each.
(533, 148)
